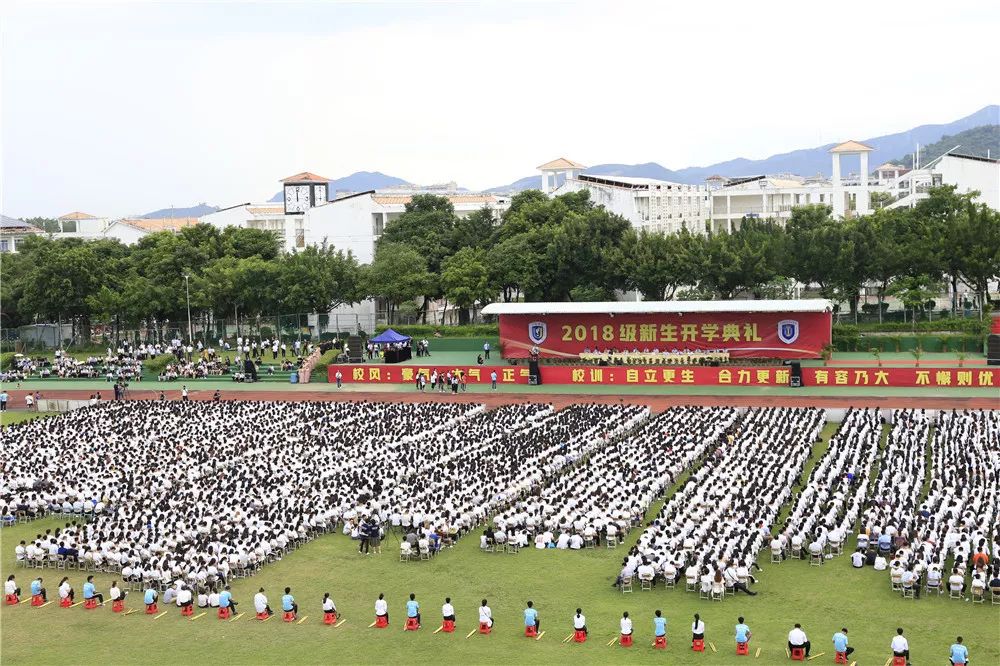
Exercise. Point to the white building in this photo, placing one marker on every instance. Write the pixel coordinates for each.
(657, 205)
(968, 173)
(13, 231)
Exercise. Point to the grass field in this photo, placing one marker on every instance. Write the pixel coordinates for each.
(822, 599)
(10, 417)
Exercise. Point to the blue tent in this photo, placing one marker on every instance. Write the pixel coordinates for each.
(389, 335)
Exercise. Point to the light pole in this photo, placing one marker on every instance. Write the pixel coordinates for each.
(187, 292)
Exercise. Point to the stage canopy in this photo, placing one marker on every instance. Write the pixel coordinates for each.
(389, 336)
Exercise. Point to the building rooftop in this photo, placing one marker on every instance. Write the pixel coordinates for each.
(266, 210)
(305, 177)
(78, 216)
(389, 199)
(631, 182)
(14, 225)
(166, 224)
(851, 147)
(642, 307)
(561, 163)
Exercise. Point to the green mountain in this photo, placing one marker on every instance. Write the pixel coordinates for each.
(983, 141)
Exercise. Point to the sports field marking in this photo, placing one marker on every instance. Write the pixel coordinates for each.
(199, 615)
(304, 618)
(816, 655)
(539, 636)
(236, 617)
(470, 633)
(160, 615)
(339, 623)
(438, 629)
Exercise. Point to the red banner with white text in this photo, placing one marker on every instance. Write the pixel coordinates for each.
(592, 375)
(742, 334)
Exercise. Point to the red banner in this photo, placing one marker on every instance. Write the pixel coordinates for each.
(743, 334)
(593, 375)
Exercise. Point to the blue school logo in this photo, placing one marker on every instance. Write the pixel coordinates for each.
(788, 331)
(537, 330)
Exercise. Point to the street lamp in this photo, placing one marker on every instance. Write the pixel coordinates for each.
(187, 292)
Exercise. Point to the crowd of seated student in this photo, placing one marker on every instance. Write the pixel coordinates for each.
(948, 541)
(712, 528)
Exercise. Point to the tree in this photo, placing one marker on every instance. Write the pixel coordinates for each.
(397, 274)
(657, 264)
(475, 230)
(512, 265)
(978, 245)
(813, 239)
(915, 291)
(244, 242)
(465, 280)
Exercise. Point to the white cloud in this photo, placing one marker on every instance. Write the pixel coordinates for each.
(118, 109)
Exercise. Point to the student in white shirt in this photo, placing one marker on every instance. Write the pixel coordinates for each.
(697, 629)
(328, 605)
(116, 592)
(213, 599)
(626, 624)
(580, 621)
(202, 598)
(185, 597)
(260, 603)
(66, 590)
(485, 614)
(10, 587)
(797, 639)
(857, 559)
(447, 610)
(382, 607)
(900, 646)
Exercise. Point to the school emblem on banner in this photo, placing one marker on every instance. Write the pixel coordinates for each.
(788, 330)
(537, 330)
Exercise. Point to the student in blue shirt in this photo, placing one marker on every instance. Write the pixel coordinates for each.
(149, 598)
(288, 602)
(959, 653)
(743, 632)
(659, 624)
(36, 588)
(531, 617)
(90, 591)
(226, 599)
(840, 642)
(413, 608)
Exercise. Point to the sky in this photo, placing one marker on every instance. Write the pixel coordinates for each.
(120, 108)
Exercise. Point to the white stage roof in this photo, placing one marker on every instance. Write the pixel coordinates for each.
(644, 307)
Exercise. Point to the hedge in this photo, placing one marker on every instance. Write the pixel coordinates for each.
(968, 325)
(326, 360)
(423, 331)
(155, 365)
(905, 343)
(6, 360)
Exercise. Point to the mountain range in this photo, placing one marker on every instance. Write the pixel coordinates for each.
(896, 147)
(804, 162)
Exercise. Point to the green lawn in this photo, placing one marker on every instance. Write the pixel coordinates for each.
(821, 598)
(9, 417)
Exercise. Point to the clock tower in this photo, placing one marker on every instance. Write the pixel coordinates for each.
(304, 191)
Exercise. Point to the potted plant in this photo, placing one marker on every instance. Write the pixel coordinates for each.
(917, 353)
(961, 358)
(827, 353)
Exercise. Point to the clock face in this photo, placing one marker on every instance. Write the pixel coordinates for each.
(296, 198)
(319, 195)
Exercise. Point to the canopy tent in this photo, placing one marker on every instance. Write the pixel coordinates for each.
(389, 335)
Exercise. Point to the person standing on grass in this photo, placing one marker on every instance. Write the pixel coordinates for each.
(486, 349)
(3, 401)
(840, 642)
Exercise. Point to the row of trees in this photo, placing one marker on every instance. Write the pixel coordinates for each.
(553, 249)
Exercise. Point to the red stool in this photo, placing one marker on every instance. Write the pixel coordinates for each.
(330, 618)
(118, 605)
(262, 616)
(898, 661)
(698, 645)
(448, 626)
(90, 604)
(840, 658)
(151, 609)
(381, 621)
(187, 611)
(37, 600)
(579, 636)
(289, 616)
(11, 600)
(798, 654)
(65, 603)
(485, 628)
(530, 631)
(660, 643)
(626, 640)
(223, 613)
(411, 624)
(742, 648)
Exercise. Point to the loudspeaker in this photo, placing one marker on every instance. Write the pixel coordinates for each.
(250, 369)
(534, 374)
(795, 377)
(993, 349)
(355, 349)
